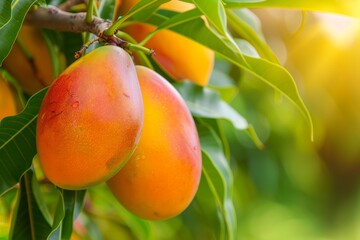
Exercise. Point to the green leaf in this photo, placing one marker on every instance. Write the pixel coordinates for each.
(214, 12)
(73, 201)
(39, 198)
(208, 212)
(167, 19)
(144, 8)
(349, 8)
(282, 81)
(106, 9)
(251, 19)
(206, 103)
(223, 84)
(52, 42)
(68, 208)
(42, 3)
(9, 32)
(55, 233)
(105, 203)
(249, 34)
(140, 11)
(28, 220)
(247, 48)
(18, 143)
(270, 73)
(5, 13)
(218, 175)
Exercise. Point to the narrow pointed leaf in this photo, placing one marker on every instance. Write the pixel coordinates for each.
(214, 12)
(18, 143)
(9, 31)
(68, 208)
(218, 175)
(206, 103)
(73, 201)
(248, 33)
(55, 233)
(143, 9)
(282, 81)
(28, 219)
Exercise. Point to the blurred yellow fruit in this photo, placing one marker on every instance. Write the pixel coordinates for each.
(29, 61)
(181, 57)
(7, 100)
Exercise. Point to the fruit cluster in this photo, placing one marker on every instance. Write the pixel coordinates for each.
(104, 119)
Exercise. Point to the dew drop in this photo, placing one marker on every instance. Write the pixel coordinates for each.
(75, 104)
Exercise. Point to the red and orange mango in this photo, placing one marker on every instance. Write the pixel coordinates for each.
(90, 120)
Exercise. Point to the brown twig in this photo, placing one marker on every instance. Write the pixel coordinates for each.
(53, 18)
(84, 47)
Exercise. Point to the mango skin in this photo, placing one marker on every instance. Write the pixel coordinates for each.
(8, 104)
(162, 176)
(181, 57)
(90, 120)
(35, 74)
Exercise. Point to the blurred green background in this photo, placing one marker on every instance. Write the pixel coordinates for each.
(295, 188)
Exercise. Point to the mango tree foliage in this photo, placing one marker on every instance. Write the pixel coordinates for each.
(43, 211)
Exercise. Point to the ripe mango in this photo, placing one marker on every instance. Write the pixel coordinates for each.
(90, 120)
(8, 104)
(29, 61)
(181, 57)
(162, 176)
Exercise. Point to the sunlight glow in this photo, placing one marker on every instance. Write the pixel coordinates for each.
(341, 30)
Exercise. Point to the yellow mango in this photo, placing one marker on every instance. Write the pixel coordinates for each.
(162, 176)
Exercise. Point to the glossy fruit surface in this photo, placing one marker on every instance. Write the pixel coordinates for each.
(162, 177)
(29, 61)
(90, 120)
(7, 100)
(181, 57)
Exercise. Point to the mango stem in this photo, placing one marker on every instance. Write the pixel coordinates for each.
(85, 46)
(89, 13)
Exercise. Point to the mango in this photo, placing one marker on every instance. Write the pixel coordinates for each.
(90, 120)
(181, 57)
(162, 176)
(8, 104)
(29, 61)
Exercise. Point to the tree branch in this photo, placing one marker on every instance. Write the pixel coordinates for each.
(55, 19)
(51, 17)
